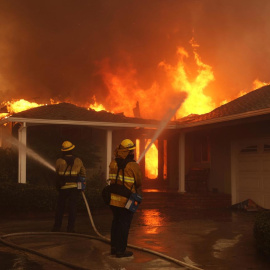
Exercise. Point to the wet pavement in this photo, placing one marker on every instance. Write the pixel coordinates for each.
(219, 239)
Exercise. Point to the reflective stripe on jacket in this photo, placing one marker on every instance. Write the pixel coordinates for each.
(77, 169)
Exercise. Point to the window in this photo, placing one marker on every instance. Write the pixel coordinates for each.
(249, 149)
(266, 148)
(202, 149)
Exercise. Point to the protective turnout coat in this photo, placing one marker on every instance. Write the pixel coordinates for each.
(71, 171)
(132, 177)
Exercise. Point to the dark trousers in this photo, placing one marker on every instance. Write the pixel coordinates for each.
(120, 228)
(66, 196)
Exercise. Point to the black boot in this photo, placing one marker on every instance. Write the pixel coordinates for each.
(124, 254)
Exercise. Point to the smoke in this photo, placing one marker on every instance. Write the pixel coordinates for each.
(55, 49)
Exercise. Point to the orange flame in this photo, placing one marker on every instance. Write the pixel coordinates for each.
(151, 161)
(15, 106)
(96, 106)
(196, 102)
(125, 91)
(258, 84)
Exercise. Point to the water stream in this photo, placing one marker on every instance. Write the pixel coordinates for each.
(168, 116)
(31, 153)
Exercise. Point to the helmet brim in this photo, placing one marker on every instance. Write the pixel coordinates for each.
(68, 149)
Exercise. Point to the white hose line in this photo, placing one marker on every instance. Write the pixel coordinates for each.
(15, 246)
(136, 247)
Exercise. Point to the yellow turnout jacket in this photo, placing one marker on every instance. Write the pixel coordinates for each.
(132, 177)
(71, 173)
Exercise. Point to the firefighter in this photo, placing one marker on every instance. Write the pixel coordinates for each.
(123, 163)
(68, 168)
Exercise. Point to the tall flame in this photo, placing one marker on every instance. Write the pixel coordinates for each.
(196, 102)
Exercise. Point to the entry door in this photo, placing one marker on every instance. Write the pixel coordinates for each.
(253, 172)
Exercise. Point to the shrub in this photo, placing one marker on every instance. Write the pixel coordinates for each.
(262, 232)
(93, 190)
(9, 165)
(28, 198)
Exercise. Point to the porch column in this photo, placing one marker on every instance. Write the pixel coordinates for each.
(161, 160)
(22, 135)
(181, 185)
(109, 152)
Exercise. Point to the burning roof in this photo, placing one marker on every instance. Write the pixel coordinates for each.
(255, 102)
(67, 113)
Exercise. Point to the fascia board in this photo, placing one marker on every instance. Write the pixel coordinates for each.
(225, 118)
(83, 123)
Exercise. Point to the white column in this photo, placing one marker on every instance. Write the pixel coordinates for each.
(181, 185)
(109, 152)
(22, 134)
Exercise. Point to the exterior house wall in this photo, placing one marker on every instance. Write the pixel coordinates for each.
(221, 139)
(219, 179)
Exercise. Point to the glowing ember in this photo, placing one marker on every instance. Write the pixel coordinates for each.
(151, 161)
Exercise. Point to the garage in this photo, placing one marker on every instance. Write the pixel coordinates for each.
(252, 172)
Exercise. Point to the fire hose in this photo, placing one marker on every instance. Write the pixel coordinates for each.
(100, 238)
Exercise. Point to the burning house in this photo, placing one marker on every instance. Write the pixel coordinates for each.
(231, 143)
(113, 69)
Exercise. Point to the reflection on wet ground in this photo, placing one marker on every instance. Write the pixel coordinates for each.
(151, 219)
(219, 239)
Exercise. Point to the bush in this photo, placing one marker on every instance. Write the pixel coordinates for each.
(9, 165)
(94, 186)
(262, 232)
(15, 197)
(27, 198)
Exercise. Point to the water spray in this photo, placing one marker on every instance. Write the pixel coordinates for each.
(31, 153)
(165, 120)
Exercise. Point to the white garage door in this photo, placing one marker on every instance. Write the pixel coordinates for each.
(253, 172)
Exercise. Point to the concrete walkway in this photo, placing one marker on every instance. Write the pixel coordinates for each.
(212, 240)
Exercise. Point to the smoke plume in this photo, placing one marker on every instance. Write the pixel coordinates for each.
(57, 48)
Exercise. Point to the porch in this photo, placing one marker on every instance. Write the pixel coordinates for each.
(165, 198)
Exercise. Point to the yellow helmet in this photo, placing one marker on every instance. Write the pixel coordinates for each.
(128, 144)
(67, 146)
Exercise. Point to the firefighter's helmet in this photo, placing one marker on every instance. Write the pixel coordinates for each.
(128, 144)
(67, 146)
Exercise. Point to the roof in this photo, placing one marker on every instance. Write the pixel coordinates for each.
(66, 113)
(254, 103)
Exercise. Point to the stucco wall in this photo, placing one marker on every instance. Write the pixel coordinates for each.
(220, 172)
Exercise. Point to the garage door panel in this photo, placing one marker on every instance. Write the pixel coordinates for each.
(249, 165)
(249, 181)
(253, 173)
(266, 164)
(266, 182)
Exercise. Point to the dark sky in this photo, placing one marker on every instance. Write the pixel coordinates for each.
(57, 48)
